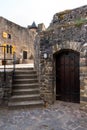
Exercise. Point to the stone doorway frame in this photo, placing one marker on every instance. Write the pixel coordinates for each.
(82, 49)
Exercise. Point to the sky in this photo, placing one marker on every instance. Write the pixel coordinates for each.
(24, 12)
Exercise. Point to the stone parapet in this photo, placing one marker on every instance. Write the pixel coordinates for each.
(70, 16)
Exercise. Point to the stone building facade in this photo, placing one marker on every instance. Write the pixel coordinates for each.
(20, 38)
(61, 50)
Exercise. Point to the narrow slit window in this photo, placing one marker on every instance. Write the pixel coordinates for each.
(24, 54)
(9, 36)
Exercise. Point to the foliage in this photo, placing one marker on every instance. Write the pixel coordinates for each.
(79, 22)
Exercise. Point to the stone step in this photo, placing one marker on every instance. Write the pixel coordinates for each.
(25, 76)
(25, 86)
(24, 104)
(25, 72)
(25, 91)
(18, 98)
(25, 81)
(28, 68)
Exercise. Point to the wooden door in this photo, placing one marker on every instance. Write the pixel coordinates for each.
(67, 76)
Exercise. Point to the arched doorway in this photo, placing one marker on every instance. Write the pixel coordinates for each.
(67, 76)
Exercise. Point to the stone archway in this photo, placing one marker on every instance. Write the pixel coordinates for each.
(82, 50)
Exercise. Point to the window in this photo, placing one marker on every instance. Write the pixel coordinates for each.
(9, 36)
(24, 54)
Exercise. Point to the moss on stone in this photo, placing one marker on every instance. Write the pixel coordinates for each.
(79, 22)
(62, 14)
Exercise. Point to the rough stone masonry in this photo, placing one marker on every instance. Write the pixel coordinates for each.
(5, 87)
(68, 30)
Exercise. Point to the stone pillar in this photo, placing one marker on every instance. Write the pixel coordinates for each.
(83, 80)
(46, 71)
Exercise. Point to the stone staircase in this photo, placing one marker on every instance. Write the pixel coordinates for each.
(25, 89)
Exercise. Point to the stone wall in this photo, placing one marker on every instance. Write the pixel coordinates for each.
(62, 34)
(75, 16)
(22, 38)
(5, 88)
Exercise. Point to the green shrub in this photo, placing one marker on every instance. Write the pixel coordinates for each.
(79, 22)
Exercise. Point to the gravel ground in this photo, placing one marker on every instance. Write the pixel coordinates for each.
(60, 116)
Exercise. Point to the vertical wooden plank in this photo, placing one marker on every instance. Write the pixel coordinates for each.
(67, 76)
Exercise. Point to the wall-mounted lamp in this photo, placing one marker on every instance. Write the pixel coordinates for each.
(45, 55)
